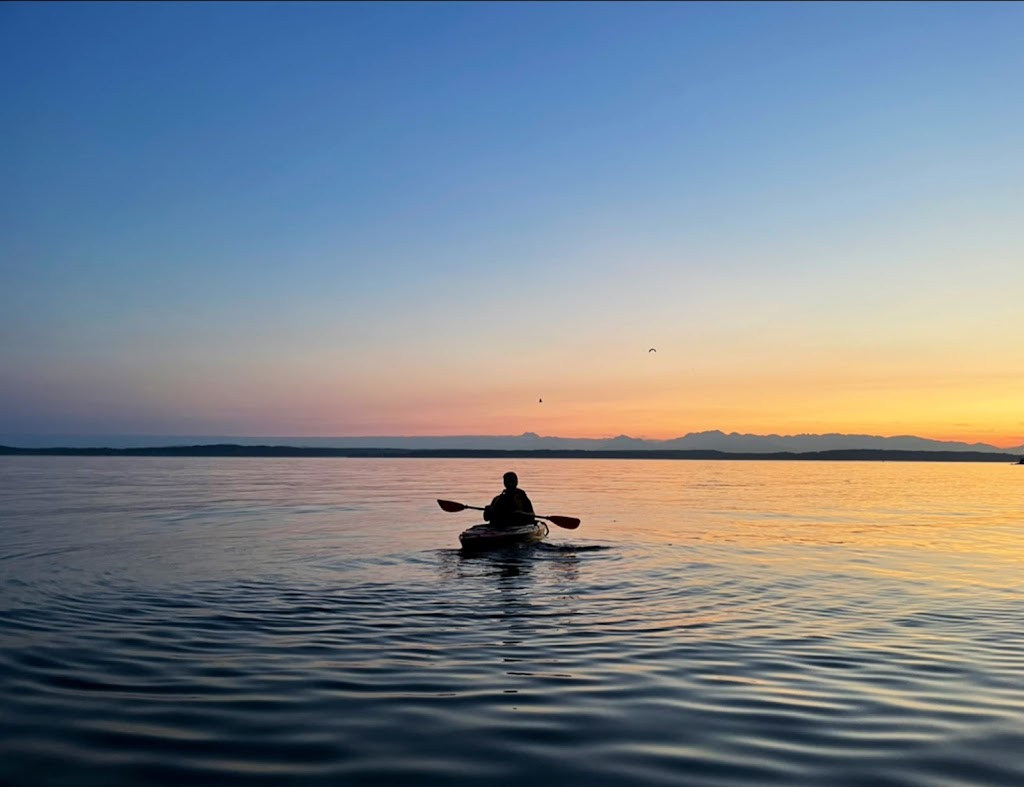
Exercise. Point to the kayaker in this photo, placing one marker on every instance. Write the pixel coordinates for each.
(512, 507)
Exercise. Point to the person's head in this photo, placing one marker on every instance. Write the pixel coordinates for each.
(511, 480)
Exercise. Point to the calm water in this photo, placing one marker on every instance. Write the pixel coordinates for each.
(307, 622)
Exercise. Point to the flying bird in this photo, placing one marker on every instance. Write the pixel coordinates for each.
(540, 400)
(652, 350)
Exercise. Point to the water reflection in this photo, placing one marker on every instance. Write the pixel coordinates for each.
(527, 591)
(457, 564)
(503, 563)
(516, 564)
(298, 621)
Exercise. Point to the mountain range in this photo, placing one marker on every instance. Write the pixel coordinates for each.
(715, 440)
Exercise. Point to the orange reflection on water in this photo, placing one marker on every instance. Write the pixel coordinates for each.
(954, 522)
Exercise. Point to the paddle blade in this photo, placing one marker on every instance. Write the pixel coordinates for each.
(451, 505)
(568, 522)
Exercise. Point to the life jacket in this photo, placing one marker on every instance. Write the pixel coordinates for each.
(505, 507)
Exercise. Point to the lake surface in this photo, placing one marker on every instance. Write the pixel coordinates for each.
(312, 622)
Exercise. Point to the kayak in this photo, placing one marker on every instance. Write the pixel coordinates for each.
(489, 537)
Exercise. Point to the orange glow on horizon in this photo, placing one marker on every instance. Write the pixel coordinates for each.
(642, 397)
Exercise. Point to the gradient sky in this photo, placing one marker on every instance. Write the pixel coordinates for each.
(364, 219)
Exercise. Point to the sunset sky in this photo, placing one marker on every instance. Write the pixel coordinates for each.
(413, 219)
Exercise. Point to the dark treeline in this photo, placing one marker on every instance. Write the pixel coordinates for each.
(229, 450)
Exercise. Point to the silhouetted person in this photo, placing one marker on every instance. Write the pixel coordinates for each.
(512, 507)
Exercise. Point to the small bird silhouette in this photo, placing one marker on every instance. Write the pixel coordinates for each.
(540, 400)
(652, 350)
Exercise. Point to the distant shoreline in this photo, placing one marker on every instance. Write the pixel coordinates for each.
(270, 451)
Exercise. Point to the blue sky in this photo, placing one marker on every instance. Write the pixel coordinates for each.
(401, 218)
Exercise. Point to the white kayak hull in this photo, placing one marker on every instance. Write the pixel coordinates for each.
(489, 537)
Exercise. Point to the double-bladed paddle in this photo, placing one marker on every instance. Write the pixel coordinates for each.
(568, 522)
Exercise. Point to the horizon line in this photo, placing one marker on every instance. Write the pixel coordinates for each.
(1010, 444)
(435, 435)
(234, 450)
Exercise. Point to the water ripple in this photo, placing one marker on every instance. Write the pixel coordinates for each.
(231, 622)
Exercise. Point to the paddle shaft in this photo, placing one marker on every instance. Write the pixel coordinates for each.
(568, 522)
(527, 513)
